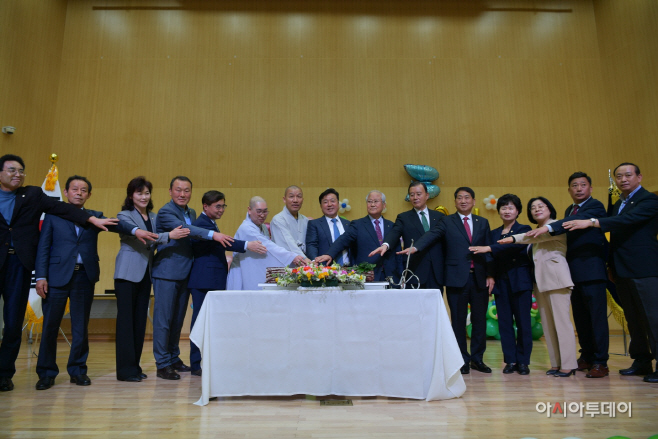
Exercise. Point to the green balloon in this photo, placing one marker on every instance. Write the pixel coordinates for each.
(537, 331)
(492, 327)
(497, 335)
(655, 436)
(468, 330)
(532, 321)
(624, 437)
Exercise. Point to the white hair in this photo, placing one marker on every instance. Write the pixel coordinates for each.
(376, 192)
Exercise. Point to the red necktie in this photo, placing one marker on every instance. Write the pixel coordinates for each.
(470, 237)
(468, 229)
(378, 230)
(575, 209)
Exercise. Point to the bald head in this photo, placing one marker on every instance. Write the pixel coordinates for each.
(294, 198)
(258, 210)
(255, 200)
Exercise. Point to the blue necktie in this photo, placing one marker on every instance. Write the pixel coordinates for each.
(339, 260)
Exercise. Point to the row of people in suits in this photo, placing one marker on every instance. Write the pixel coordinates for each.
(21, 208)
(576, 244)
(183, 264)
(473, 268)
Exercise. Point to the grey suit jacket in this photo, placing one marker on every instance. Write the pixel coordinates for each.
(173, 261)
(134, 257)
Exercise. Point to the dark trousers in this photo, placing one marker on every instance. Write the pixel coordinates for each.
(15, 290)
(132, 310)
(458, 301)
(81, 293)
(431, 283)
(171, 298)
(514, 307)
(639, 298)
(198, 296)
(590, 314)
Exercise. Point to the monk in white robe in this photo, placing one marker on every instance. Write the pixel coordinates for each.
(248, 269)
(289, 226)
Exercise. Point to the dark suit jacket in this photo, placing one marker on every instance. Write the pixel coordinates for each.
(633, 243)
(455, 243)
(511, 260)
(318, 237)
(23, 228)
(586, 248)
(361, 236)
(422, 263)
(60, 245)
(173, 261)
(210, 269)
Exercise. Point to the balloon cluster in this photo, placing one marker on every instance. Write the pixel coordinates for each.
(425, 174)
(492, 321)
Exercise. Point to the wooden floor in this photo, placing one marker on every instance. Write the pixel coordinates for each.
(494, 406)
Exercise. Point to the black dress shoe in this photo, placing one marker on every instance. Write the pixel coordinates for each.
(651, 378)
(637, 369)
(179, 366)
(6, 385)
(143, 376)
(565, 374)
(523, 369)
(45, 383)
(509, 368)
(132, 379)
(196, 372)
(465, 370)
(480, 366)
(81, 380)
(168, 373)
(552, 371)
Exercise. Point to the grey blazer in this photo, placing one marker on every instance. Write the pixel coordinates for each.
(174, 260)
(133, 256)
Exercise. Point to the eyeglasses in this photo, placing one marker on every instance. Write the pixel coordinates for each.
(262, 211)
(537, 207)
(14, 171)
(221, 206)
(373, 202)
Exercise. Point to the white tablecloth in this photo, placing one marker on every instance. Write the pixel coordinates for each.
(396, 343)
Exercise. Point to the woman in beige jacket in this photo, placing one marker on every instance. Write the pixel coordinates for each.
(553, 285)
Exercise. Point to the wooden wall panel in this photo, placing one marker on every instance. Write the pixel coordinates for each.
(31, 33)
(628, 37)
(251, 96)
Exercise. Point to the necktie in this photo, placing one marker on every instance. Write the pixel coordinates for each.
(470, 237)
(468, 229)
(339, 260)
(426, 225)
(378, 230)
(575, 209)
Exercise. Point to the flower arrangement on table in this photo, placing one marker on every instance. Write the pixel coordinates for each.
(320, 276)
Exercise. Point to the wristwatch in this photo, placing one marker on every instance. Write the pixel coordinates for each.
(593, 220)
